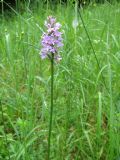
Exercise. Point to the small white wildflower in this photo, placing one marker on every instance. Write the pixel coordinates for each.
(75, 23)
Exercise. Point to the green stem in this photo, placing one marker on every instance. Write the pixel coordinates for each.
(47, 4)
(2, 8)
(3, 121)
(51, 109)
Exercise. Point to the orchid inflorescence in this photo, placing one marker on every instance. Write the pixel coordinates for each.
(51, 39)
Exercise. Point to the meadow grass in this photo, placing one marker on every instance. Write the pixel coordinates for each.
(86, 118)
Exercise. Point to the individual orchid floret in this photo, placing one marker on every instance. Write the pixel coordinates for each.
(51, 39)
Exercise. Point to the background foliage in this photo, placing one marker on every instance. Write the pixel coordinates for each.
(86, 114)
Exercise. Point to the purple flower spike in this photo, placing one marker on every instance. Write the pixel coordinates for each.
(51, 39)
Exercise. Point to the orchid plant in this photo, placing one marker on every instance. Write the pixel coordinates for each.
(51, 43)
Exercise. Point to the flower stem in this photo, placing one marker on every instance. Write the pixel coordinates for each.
(51, 108)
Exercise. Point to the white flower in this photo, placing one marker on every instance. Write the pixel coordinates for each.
(75, 23)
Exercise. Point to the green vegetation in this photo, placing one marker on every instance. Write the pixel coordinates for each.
(86, 118)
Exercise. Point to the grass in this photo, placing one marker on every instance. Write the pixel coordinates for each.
(86, 115)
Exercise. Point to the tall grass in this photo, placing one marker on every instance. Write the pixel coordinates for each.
(86, 115)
